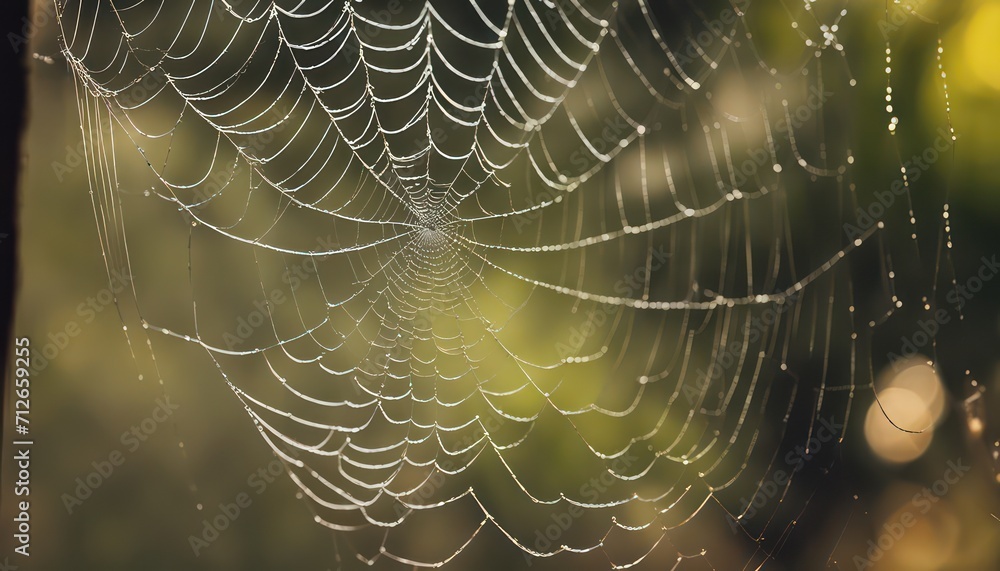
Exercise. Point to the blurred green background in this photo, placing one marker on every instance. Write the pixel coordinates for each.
(141, 516)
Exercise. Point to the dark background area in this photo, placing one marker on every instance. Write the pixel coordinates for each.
(142, 516)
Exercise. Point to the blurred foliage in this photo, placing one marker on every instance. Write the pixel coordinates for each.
(140, 517)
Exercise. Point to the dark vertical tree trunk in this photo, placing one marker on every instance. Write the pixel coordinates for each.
(13, 68)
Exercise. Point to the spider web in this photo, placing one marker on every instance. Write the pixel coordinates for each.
(486, 267)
